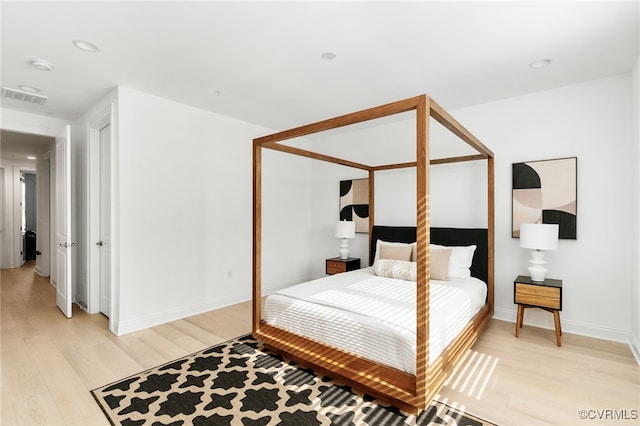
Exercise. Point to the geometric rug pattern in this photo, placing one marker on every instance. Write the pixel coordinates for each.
(240, 383)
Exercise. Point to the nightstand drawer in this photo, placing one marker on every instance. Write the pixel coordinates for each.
(534, 300)
(537, 295)
(537, 290)
(334, 267)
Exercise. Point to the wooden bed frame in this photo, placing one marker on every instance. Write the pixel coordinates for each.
(406, 391)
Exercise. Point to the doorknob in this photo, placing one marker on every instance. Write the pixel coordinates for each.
(99, 243)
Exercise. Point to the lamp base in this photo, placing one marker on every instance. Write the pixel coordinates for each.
(344, 249)
(537, 270)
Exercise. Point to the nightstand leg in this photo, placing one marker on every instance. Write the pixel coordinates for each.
(519, 319)
(556, 318)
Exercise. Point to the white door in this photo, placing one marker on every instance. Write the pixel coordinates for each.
(105, 220)
(63, 226)
(22, 219)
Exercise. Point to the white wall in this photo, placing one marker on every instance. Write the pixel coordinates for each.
(23, 122)
(635, 288)
(287, 230)
(185, 211)
(591, 121)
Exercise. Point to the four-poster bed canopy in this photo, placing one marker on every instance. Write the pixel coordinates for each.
(407, 391)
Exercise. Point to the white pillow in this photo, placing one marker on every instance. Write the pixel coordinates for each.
(459, 261)
(387, 243)
(399, 269)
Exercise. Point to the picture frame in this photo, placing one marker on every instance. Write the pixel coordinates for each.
(354, 203)
(545, 191)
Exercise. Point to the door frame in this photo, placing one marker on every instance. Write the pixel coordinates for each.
(42, 126)
(43, 245)
(16, 178)
(100, 120)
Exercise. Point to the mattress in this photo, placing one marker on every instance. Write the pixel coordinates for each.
(373, 316)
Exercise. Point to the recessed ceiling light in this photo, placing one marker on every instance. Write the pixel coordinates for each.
(86, 46)
(41, 65)
(29, 88)
(328, 56)
(31, 157)
(540, 63)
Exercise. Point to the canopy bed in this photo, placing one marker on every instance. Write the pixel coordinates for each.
(410, 371)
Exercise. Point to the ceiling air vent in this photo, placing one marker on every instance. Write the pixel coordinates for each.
(21, 95)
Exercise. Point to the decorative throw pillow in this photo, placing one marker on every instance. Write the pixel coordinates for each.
(395, 252)
(459, 261)
(399, 269)
(439, 264)
(380, 243)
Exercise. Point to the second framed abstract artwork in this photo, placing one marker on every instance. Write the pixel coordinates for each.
(354, 203)
(545, 191)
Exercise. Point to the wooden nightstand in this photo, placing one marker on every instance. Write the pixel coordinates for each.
(545, 295)
(336, 265)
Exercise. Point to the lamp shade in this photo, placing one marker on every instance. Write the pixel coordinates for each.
(345, 229)
(539, 236)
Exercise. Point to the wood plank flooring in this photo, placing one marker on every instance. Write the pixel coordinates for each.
(50, 363)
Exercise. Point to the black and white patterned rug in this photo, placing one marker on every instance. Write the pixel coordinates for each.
(240, 383)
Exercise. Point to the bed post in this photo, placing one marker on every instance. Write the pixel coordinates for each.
(372, 209)
(257, 235)
(422, 241)
(491, 232)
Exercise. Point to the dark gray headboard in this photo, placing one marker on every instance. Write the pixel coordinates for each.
(443, 237)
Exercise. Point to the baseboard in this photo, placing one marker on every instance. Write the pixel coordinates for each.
(129, 326)
(38, 271)
(634, 344)
(82, 302)
(542, 319)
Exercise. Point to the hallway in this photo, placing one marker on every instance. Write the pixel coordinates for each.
(50, 363)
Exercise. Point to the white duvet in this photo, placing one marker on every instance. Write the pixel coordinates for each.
(375, 317)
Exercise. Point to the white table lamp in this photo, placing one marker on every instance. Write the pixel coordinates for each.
(345, 230)
(539, 237)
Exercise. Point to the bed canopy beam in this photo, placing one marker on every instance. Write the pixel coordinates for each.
(458, 159)
(431, 162)
(409, 392)
(341, 121)
(314, 155)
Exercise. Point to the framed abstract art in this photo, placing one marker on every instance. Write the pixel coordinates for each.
(546, 192)
(354, 203)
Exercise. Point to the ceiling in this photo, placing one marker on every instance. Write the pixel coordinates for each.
(20, 146)
(261, 62)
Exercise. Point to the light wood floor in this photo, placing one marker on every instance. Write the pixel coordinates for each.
(49, 363)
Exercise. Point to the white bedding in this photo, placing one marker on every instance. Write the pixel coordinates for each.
(374, 316)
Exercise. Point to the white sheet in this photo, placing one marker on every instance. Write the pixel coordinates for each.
(374, 316)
